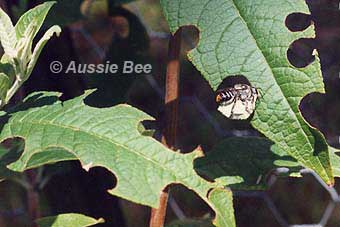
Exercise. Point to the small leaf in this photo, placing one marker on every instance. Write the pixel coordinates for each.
(5, 84)
(34, 16)
(39, 47)
(7, 34)
(108, 137)
(250, 38)
(68, 220)
(24, 48)
(7, 68)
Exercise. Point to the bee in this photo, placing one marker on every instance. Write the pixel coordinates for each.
(238, 102)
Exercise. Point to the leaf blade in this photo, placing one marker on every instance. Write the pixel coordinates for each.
(7, 33)
(62, 220)
(34, 16)
(249, 38)
(39, 47)
(142, 165)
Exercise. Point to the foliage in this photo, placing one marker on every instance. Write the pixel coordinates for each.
(109, 137)
(236, 38)
(62, 220)
(19, 60)
(250, 38)
(246, 168)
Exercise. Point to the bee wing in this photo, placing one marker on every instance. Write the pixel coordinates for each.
(226, 110)
(240, 110)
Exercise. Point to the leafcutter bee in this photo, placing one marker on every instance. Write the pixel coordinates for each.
(238, 102)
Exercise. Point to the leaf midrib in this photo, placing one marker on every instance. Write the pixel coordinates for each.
(272, 74)
(75, 129)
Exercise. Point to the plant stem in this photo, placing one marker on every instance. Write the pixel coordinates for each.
(171, 115)
(11, 92)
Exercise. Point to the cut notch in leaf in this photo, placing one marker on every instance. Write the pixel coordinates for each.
(109, 138)
(240, 37)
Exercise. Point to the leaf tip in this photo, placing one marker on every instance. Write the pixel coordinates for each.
(100, 221)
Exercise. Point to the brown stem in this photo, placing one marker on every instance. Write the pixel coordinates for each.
(171, 115)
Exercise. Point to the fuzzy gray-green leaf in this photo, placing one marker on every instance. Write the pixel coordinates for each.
(7, 33)
(34, 16)
(39, 47)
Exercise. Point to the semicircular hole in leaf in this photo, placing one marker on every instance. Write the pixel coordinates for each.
(300, 52)
(230, 81)
(185, 203)
(296, 22)
(10, 151)
(320, 111)
(101, 172)
(190, 38)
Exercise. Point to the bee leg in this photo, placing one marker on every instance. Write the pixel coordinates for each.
(259, 92)
(232, 108)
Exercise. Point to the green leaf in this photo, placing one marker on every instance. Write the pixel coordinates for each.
(5, 84)
(335, 159)
(241, 163)
(249, 38)
(108, 137)
(24, 49)
(68, 220)
(34, 16)
(39, 47)
(7, 33)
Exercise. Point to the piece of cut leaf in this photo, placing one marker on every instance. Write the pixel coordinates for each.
(68, 220)
(107, 137)
(249, 38)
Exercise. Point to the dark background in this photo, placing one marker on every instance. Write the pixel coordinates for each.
(138, 32)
